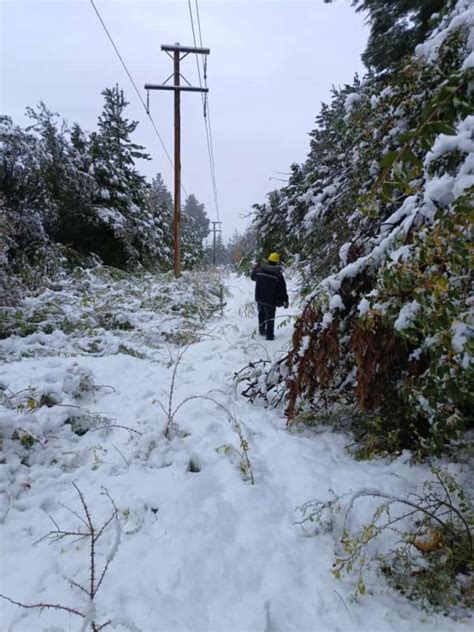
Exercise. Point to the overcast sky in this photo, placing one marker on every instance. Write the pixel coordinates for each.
(271, 65)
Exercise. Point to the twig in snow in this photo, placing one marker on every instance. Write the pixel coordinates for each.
(260, 379)
(121, 454)
(5, 514)
(170, 414)
(115, 426)
(42, 606)
(33, 436)
(343, 602)
(177, 362)
(96, 577)
(97, 386)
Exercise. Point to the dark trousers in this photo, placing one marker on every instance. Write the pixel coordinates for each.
(266, 320)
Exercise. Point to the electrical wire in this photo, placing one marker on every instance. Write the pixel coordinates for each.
(204, 62)
(135, 87)
(205, 103)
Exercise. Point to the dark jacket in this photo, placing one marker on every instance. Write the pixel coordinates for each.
(270, 286)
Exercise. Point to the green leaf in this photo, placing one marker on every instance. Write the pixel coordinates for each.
(388, 159)
(409, 156)
(441, 127)
(403, 138)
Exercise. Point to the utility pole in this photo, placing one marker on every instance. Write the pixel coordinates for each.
(179, 53)
(214, 231)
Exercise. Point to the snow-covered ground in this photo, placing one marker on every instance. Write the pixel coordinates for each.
(197, 546)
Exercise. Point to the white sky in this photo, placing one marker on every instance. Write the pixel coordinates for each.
(271, 65)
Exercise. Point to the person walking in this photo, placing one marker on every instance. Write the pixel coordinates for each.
(270, 293)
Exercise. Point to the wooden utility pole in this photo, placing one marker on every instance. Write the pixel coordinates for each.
(179, 53)
(214, 231)
(177, 169)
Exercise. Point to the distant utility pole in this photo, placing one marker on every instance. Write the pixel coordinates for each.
(179, 53)
(214, 231)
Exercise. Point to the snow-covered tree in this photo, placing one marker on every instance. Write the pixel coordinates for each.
(82, 193)
(191, 243)
(120, 189)
(160, 205)
(397, 26)
(193, 208)
(22, 194)
(378, 218)
(160, 194)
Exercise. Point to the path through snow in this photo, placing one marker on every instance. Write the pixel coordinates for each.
(200, 550)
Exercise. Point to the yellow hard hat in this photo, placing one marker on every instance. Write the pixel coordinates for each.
(274, 257)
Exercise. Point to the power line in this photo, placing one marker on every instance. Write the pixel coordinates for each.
(135, 87)
(195, 45)
(206, 108)
(210, 146)
(212, 157)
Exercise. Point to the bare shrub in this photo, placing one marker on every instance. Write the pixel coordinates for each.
(87, 530)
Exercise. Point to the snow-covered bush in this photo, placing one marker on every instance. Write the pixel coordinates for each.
(104, 310)
(423, 542)
(379, 216)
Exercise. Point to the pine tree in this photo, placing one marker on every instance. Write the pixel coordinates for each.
(52, 162)
(160, 194)
(120, 189)
(192, 208)
(191, 242)
(160, 205)
(396, 27)
(18, 176)
(77, 217)
(221, 251)
(114, 155)
(21, 193)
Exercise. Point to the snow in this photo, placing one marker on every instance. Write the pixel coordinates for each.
(336, 302)
(317, 207)
(439, 189)
(401, 254)
(406, 316)
(468, 62)
(193, 548)
(386, 92)
(465, 178)
(443, 189)
(461, 17)
(363, 306)
(460, 336)
(343, 252)
(111, 216)
(462, 141)
(351, 100)
(396, 226)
